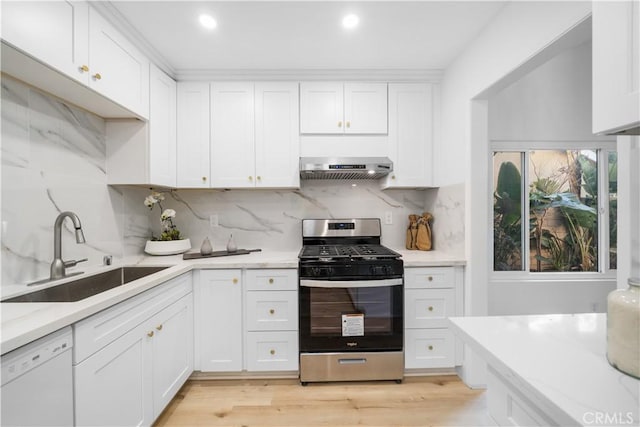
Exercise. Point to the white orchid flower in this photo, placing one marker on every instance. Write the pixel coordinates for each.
(168, 214)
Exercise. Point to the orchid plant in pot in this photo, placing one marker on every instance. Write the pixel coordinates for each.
(170, 242)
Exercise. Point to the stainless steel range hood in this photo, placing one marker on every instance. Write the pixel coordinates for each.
(344, 167)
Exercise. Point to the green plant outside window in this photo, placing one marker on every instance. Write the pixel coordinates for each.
(562, 199)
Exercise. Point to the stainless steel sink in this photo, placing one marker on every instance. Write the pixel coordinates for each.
(85, 287)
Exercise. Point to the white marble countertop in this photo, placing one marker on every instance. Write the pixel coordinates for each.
(22, 323)
(559, 361)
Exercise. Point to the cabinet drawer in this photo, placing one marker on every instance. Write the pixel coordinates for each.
(428, 308)
(272, 280)
(272, 351)
(97, 331)
(429, 348)
(430, 277)
(272, 311)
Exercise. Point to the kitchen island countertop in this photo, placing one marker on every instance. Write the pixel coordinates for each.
(558, 363)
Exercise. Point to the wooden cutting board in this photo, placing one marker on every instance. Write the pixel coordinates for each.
(196, 255)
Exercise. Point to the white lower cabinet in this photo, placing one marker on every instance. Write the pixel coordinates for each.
(218, 321)
(246, 320)
(272, 351)
(510, 407)
(143, 363)
(271, 304)
(112, 387)
(429, 348)
(171, 331)
(432, 294)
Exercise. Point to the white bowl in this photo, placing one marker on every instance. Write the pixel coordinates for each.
(167, 247)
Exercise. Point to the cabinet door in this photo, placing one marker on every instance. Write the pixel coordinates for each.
(113, 386)
(218, 320)
(118, 70)
(193, 135)
(321, 108)
(232, 135)
(616, 65)
(365, 108)
(410, 135)
(162, 128)
(277, 141)
(172, 351)
(54, 32)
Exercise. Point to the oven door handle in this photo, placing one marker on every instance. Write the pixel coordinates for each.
(350, 283)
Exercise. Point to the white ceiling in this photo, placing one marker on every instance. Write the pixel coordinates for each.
(305, 35)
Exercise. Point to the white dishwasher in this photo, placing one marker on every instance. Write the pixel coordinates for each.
(37, 382)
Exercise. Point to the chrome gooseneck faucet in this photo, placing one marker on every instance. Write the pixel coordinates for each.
(58, 266)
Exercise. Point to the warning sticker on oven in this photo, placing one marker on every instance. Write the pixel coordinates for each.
(353, 325)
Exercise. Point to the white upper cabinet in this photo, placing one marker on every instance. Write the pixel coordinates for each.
(193, 135)
(343, 108)
(277, 140)
(232, 135)
(616, 66)
(145, 152)
(365, 108)
(254, 135)
(71, 38)
(321, 108)
(410, 135)
(55, 32)
(116, 68)
(162, 128)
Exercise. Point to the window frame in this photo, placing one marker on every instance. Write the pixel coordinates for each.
(602, 148)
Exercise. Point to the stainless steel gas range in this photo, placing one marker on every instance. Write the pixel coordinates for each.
(350, 303)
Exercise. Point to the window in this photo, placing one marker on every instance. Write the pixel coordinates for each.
(554, 209)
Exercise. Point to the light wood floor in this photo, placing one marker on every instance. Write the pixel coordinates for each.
(418, 401)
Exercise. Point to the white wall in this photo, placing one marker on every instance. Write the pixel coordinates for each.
(550, 103)
(629, 202)
(517, 34)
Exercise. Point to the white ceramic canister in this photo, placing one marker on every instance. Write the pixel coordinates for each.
(623, 328)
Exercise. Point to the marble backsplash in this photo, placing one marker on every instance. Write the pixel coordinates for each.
(271, 219)
(53, 160)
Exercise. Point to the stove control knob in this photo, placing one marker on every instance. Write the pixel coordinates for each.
(376, 270)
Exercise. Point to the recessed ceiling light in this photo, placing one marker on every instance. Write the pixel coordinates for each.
(207, 21)
(350, 21)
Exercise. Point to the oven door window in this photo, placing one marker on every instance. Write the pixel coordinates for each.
(351, 318)
(351, 311)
